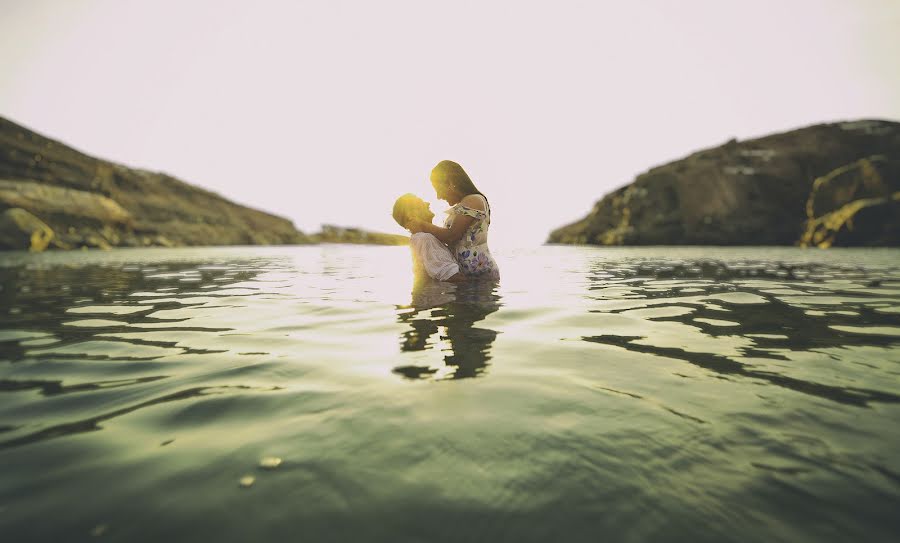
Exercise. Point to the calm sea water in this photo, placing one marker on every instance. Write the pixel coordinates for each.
(316, 394)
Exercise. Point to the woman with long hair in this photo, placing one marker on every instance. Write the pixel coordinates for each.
(465, 229)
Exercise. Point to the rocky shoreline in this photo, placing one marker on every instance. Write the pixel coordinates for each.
(825, 185)
(54, 197)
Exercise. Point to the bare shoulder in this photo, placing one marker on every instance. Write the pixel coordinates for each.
(473, 201)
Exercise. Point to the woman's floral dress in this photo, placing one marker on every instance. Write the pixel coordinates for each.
(471, 250)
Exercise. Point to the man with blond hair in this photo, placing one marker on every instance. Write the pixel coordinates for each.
(430, 256)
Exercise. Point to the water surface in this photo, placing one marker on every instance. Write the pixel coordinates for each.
(628, 394)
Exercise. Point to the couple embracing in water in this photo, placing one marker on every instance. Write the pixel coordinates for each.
(457, 251)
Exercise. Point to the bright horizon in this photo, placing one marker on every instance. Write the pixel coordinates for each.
(325, 112)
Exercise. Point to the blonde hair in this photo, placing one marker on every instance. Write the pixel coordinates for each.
(402, 207)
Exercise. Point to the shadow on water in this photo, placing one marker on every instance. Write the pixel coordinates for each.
(444, 316)
(41, 304)
(44, 300)
(725, 365)
(91, 424)
(801, 320)
(104, 366)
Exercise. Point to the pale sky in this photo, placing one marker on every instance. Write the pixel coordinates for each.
(326, 111)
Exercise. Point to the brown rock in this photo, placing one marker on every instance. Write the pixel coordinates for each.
(48, 200)
(871, 222)
(741, 193)
(871, 177)
(20, 229)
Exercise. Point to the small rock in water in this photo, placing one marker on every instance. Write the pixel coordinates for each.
(270, 462)
(247, 481)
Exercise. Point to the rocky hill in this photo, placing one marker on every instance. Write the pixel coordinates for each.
(823, 185)
(52, 196)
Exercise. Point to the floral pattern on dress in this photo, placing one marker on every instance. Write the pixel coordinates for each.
(471, 250)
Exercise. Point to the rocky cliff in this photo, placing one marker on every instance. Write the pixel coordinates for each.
(54, 196)
(758, 192)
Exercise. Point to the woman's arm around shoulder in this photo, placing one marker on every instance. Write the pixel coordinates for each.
(473, 205)
(449, 236)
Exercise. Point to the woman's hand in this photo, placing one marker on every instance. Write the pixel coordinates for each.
(415, 226)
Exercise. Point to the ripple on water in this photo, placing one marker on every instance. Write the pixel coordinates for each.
(687, 394)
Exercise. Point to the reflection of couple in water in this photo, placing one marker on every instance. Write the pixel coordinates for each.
(442, 311)
(455, 253)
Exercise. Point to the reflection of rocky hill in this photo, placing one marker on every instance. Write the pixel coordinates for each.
(85, 201)
(337, 234)
(755, 192)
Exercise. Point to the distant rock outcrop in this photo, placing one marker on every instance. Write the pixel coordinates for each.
(88, 202)
(758, 192)
(338, 234)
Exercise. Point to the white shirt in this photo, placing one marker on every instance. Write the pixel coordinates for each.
(432, 257)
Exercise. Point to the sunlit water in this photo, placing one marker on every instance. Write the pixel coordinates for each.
(662, 394)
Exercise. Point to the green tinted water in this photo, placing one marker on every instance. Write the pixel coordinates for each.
(596, 394)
